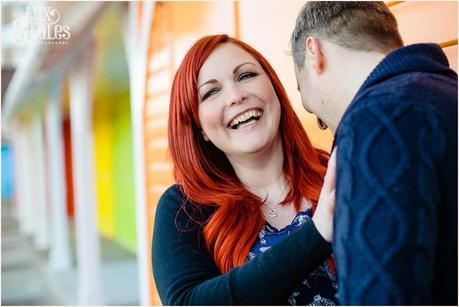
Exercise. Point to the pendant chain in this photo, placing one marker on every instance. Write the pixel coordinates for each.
(272, 211)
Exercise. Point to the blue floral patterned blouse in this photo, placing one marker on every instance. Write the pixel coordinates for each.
(320, 287)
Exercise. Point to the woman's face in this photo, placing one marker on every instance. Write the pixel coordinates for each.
(239, 111)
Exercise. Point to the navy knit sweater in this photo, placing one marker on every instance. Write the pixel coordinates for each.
(395, 238)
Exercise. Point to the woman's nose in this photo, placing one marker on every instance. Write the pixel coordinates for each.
(237, 96)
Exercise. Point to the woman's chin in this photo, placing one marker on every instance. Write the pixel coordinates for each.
(254, 144)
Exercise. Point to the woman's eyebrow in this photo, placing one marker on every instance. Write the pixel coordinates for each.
(207, 82)
(237, 67)
(234, 71)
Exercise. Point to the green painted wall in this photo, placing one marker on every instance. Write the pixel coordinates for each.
(124, 176)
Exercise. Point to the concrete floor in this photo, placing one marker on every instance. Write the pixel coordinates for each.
(26, 279)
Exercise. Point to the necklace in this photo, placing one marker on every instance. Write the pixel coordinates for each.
(272, 211)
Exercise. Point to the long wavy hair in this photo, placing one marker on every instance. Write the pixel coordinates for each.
(206, 176)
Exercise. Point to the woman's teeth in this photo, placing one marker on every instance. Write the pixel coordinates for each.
(255, 114)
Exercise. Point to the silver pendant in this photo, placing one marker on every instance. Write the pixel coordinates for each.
(272, 212)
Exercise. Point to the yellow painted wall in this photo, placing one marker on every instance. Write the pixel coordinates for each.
(103, 142)
(112, 134)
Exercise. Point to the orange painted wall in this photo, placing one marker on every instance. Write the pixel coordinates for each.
(267, 26)
(155, 121)
(173, 32)
(429, 21)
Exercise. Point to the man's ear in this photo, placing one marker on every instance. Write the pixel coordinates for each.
(314, 51)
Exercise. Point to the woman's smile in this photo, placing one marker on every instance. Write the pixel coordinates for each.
(245, 119)
(239, 110)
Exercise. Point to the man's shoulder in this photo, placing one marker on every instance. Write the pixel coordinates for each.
(415, 92)
(388, 135)
(421, 88)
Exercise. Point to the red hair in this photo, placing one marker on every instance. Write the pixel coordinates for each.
(205, 174)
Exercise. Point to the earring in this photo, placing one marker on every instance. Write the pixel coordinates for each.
(321, 124)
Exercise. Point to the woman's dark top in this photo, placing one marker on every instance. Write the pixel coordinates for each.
(319, 287)
(185, 273)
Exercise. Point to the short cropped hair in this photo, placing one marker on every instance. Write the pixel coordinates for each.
(355, 25)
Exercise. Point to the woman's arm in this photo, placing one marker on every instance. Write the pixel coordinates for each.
(185, 273)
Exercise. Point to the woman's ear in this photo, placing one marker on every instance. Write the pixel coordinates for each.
(204, 135)
(314, 51)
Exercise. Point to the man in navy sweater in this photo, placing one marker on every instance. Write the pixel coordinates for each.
(393, 110)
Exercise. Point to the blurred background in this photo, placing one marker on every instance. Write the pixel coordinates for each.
(85, 97)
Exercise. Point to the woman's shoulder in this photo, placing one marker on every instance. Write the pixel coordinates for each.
(171, 195)
(173, 202)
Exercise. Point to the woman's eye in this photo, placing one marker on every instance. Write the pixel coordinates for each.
(246, 75)
(209, 93)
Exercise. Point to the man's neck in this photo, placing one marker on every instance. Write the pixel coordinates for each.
(354, 69)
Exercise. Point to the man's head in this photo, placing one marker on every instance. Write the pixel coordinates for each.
(330, 34)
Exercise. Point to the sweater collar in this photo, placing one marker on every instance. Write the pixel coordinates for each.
(413, 58)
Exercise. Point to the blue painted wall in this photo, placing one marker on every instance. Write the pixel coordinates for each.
(7, 172)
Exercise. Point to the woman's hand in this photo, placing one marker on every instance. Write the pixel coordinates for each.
(323, 216)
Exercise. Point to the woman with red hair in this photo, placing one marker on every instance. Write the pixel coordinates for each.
(238, 227)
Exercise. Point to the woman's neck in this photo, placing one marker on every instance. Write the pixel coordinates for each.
(262, 172)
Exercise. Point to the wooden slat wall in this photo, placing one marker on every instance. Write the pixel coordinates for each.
(158, 83)
(173, 32)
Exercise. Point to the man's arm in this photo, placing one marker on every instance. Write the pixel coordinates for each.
(386, 205)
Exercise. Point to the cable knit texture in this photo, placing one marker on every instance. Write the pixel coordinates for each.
(395, 237)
